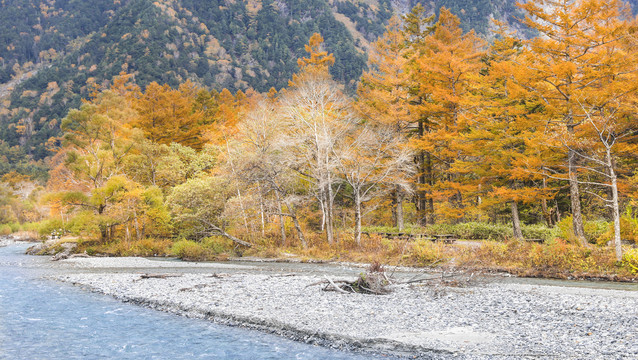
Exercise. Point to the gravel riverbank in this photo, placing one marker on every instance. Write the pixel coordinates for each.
(492, 320)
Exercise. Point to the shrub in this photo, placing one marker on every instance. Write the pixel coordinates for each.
(31, 226)
(46, 227)
(15, 227)
(495, 253)
(218, 244)
(145, 247)
(540, 231)
(189, 250)
(484, 231)
(595, 229)
(426, 253)
(5, 229)
(630, 260)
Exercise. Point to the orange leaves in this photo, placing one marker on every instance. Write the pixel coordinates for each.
(319, 58)
(166, 115)
(317, 65)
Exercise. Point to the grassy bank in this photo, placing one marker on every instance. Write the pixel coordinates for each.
(486, 247)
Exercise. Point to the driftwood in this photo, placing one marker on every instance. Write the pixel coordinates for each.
(158, 276)
(373, 281)
(335, 287)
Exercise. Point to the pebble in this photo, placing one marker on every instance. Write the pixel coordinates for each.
(482, 322)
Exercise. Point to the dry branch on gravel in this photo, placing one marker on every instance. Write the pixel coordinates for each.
(375, 281)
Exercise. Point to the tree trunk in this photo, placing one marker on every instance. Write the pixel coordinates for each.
(574, 195)
(282, 224)
(615, 206)
(546, 215)
(399, 210)
(357, 217)
(420, 200)
(261, 210)
(329, 223)
(430, 201)
(230, 237)
(516, 222)
(295, 221)
(138, 234)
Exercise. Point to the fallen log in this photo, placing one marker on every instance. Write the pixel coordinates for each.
(158, 276)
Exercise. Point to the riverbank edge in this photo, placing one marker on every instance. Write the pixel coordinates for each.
(383, 347)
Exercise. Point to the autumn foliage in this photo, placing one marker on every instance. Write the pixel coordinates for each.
(445, 129)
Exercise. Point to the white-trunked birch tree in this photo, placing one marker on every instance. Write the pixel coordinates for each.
(260, 153)
(373, 160)
(316, 117)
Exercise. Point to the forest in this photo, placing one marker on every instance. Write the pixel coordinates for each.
(492, 142)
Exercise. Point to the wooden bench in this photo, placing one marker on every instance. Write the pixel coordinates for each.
(445, 238)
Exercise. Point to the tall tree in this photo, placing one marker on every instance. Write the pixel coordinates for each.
(97, 139)
(445, 68)
(317, 116)
(383, 92)
(565, 65)
(168, 115)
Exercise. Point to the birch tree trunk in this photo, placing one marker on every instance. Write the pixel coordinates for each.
(614, 205)
(295, 221)
(329, 222)
(516, 222)
(574, 196)
(357, 216)
(282, 225)
(399, 210)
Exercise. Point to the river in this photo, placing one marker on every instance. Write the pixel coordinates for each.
(42, 319)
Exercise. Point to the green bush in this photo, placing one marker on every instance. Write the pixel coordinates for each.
(540, 231)
(218, 245)
(31, 226)
(189, 250)
(630, 260)
(47, 226)
(15, 227)
(595, 231)
(483, 231)
(476, 231)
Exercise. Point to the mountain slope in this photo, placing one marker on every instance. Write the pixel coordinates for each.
(55, 48)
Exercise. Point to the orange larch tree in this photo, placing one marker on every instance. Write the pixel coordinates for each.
(446, 68)
(565, 67)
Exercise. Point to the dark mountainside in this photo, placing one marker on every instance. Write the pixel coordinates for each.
(55, 48)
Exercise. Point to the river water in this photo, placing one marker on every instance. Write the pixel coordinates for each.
(42, 319)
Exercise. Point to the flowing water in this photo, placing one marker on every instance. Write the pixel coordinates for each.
(42, 319)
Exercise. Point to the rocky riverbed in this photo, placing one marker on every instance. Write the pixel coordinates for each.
(479, 321)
